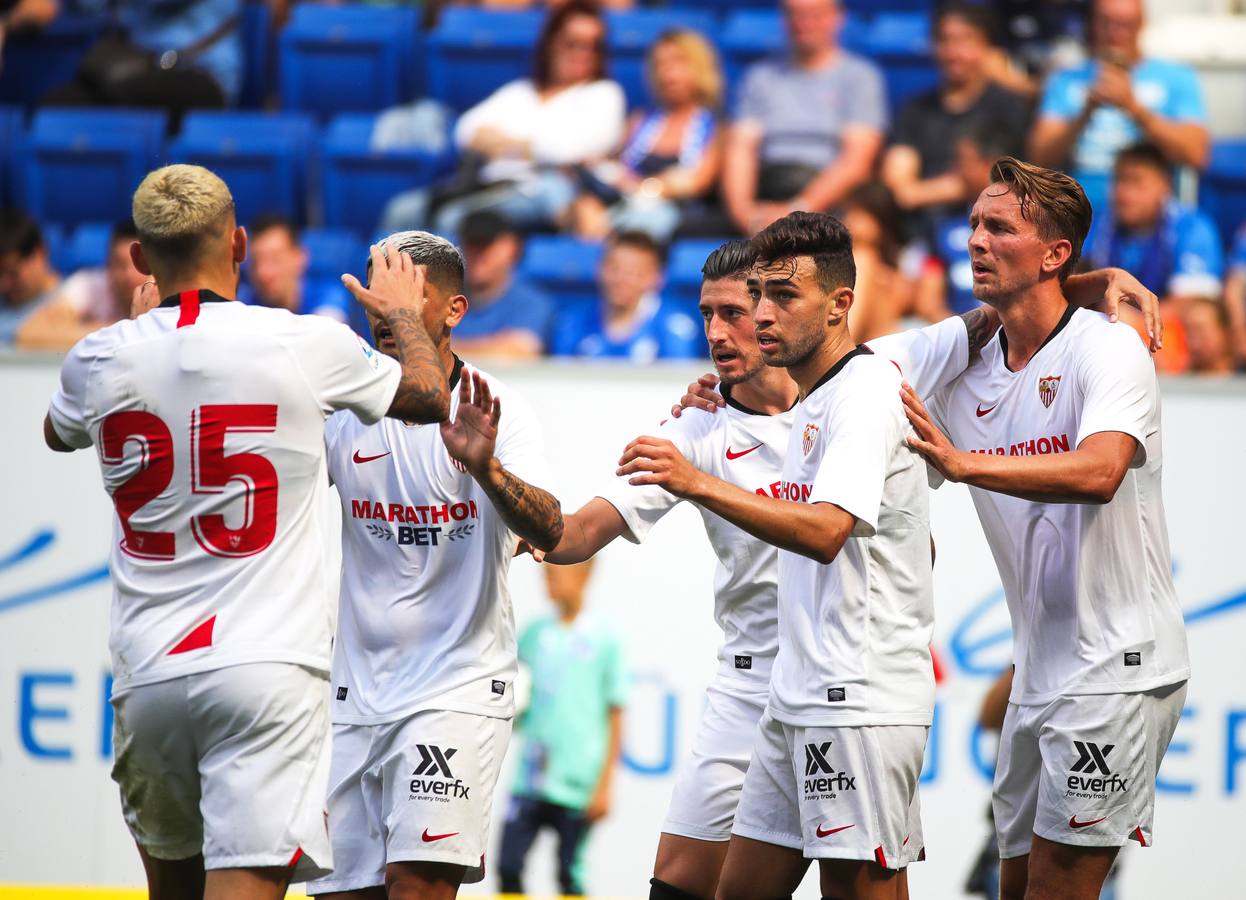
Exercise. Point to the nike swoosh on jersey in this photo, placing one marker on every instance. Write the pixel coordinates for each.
(731, 455)
(429, 838)
(363, 459)
(831, 831)
(1073, 823)
(982, 412)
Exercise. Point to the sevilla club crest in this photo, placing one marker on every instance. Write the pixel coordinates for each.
(810, 435)
(1047, 389)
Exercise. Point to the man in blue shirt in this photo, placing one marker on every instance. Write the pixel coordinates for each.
(277, 273)
(631, 321)
(1091, 112)
(1174, 250)
(507, 317)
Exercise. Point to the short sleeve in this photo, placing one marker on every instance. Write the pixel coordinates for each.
(1059, 97)
(68, 407)
(643, 505)
(1119, 389)
(751, 104)
(344, 371)
(861, 429)
(1199, 264)
(928, 358)
(867, 97)
(1186, 102)
(615, 674)
(521, 447)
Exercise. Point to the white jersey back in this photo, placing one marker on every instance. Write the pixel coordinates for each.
(209, 421)
(747, 449)
(425, 619)
(1089, 587)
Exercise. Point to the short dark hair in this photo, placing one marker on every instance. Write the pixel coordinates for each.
(483, 227)
(639, 240)
(977, 15)
(443, 260)
(818, 235)
(123, 230)
(1145, 155)
(731, 260)
(269, 221)
(549, 32)
(990, 140)
(19, 233)
(1053, 201)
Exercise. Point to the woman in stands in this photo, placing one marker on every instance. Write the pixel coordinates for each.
(672, 154)
(521, 143)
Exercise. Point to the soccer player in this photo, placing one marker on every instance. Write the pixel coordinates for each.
(425, 658)
(1060, 421)
(209, 420)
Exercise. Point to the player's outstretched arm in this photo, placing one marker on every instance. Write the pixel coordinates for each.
(1106, 289)
(395, 293)
(586, 531)
(532, 513)
(1090, 474)
(815, 530)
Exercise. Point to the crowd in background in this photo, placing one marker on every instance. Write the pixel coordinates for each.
(809, 129)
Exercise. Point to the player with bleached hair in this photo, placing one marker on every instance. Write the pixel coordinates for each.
(208, 417)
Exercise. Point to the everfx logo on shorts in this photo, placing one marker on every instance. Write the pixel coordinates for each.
(433, 778)
(1092, 758)
(818, 771)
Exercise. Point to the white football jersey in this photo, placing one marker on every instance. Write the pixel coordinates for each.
(1089, 587)
(209, 420)
(425, 616)
(747, 449)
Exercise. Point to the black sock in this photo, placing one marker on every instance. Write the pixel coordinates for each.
(660, 890)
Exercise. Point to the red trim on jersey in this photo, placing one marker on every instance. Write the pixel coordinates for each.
(199, 638)
(298, 854)
(1138, 836)
(879, 858)
(939, 672)
(189, 304)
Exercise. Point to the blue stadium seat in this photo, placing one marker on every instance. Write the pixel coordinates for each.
(630, 35)
(1222, 189)
(357, 181)
(472, 52)
(12, 124)
(257, 52)
(342, 58)
(332, 251)
(88, 248)
(37, 61)
(83, 165)
(900, 43)
(683, 270)
(261, 156)
(748, 36)
(563, 266)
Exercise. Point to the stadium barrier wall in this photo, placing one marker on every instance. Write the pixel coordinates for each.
(59, 815)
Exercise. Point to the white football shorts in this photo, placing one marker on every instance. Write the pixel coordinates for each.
(419, 789)
(707, 788)
(232, 763)
(841, 792)
(1081, 770)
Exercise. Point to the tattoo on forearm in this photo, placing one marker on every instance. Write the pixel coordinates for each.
(533, 514)
(980, 327)
(423, 394)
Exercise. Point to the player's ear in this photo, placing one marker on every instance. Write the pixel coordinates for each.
(139, 258)
(1058, 253)
(238, 245)
(455, 310)
(840, 302)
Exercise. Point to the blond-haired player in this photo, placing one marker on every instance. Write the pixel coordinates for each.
(208, 417)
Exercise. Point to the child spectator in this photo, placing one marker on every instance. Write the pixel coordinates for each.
(1207, 338)
(27, 278)
(883, 294)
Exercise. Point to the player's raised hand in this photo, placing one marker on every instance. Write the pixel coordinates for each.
(523, 547)
(702, 394)
(472, 437)
(396, 283)
(652, 460)
(146, 296)
(1124, 288)
(929, 441)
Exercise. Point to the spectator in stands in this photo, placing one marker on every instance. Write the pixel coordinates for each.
(1235, 296)
(1207, 337)
(277, 273)
(673, 153)
(919, 166)
(87, 300)
(27, 278)
(631, 321)
(883, 294)
(806, 129)
(520, 141)
(1091, 112)
(572, 732)
(18, 15)
(506, 316)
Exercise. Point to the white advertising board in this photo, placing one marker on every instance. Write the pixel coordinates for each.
(59, 816)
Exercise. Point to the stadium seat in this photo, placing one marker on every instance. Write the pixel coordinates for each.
(749, 35)
(261, 156)
(332, 251)
(900, 43)
(257, 53)
(1222, 189)
(630, 35)
(358, 182)
(342, 58)
(12, 124)
(82, 165)
(37, 61)
(88, 248)
(563, 266)
(58, 246)
(472, 52)
(683, 270)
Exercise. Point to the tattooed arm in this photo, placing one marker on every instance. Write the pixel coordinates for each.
(981, 323)
(395, 294)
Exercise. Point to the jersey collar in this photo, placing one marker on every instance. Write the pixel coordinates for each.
(859, 350)
(457, 372)
(740, 407)
(203, 295)
(1064, 320)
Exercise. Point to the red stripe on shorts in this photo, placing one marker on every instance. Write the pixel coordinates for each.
(879, 858)
(298, 854)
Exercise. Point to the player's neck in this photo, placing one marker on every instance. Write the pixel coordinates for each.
(810, 370)
(770, 392)
(1029, 320)
(223, 284)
